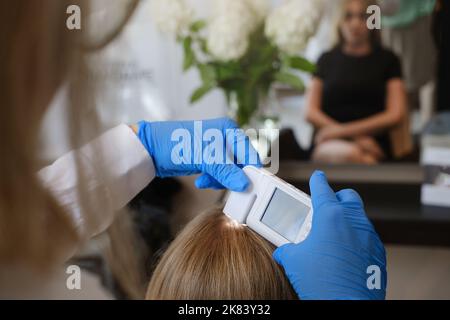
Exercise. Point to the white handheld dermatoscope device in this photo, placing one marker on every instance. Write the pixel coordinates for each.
(273, 208)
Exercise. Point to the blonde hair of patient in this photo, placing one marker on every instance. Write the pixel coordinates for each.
(216, 258)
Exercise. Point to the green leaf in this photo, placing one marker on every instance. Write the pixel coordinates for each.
(227, 71)
(200, 92)
(203, 45)
(302, 64)
(207, 73)
(267, 53)
(291, 80)
(198, 25)
(247, 98)
(259, 71)
(189, 55)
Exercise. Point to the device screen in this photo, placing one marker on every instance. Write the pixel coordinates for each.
(285, 215)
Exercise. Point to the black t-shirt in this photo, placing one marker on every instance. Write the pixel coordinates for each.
(354, 87)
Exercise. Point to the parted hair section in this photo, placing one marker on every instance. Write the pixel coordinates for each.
(215, 258)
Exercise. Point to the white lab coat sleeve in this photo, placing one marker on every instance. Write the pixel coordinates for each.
(114, 168)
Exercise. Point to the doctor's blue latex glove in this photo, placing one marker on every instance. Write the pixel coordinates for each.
(216, 148)
(343, 257)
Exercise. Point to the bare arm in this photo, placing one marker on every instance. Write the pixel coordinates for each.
(314, 113)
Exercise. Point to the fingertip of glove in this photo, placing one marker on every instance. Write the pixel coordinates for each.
(319, 173)
(237, 180)
(239, 186)
(318, 177)
(278, 254)
(199, 184)
(207, 182)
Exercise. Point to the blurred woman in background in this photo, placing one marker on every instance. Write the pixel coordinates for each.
(357, 94)
(214, 258)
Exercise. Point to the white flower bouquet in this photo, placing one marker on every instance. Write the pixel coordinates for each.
(245, 47)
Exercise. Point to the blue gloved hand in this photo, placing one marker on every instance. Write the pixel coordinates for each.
(216, 148)
(342, 255)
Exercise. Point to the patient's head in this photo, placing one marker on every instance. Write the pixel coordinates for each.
(216, 258)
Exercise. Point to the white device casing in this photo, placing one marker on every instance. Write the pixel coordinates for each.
(239, 204)
(249, 207)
